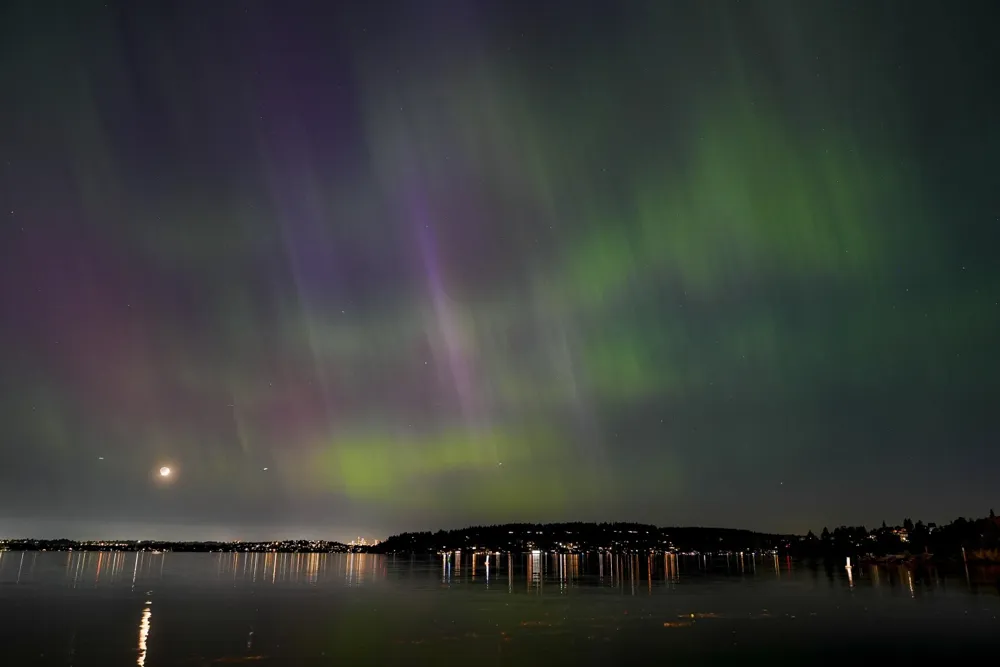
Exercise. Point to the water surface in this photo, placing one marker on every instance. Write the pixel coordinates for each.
(152, 609)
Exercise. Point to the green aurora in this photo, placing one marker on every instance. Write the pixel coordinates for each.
(701, 265)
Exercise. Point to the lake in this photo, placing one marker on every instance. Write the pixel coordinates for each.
(152, 609)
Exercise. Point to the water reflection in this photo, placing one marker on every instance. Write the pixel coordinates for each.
(510, 573)
(354, 569)
(212, 605)
(534, 578)
(312, 568)
(144, 624)
(537, 571)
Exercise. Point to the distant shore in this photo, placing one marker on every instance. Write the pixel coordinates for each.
(964, 540)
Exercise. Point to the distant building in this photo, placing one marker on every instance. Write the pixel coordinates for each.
(363, 542)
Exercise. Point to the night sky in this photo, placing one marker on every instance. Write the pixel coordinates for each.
(379, 267)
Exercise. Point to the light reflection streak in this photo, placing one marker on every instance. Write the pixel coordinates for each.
(144, 633)
(649, 573)
(534, 578)
(312, 568)
(510, 573)
(634, 571)
(672, 567)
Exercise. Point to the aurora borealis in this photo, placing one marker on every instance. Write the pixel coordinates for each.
(439, 263)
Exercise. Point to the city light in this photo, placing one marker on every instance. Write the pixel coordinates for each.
(363, 542)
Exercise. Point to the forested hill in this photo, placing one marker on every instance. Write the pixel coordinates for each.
(582, 537)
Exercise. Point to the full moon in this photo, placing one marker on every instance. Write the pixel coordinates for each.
(164, 471)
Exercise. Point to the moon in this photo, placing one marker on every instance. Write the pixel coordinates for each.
(164, 471)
